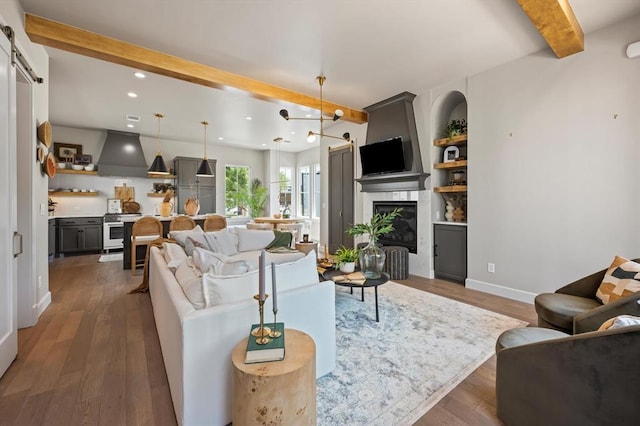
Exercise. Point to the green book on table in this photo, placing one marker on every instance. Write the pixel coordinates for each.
(272, 351)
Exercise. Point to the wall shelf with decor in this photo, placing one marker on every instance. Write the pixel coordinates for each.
(450, 188)
(156, 194)
(452, 141)
(454, 163)
(460, 164)
(154, 176)
(72, 194)
(76, 172)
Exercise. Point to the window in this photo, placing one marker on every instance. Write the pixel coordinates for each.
(236, 190)
(286, 187)
(316, 191)
(304, 208)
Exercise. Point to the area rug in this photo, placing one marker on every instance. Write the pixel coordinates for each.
(115, 257)
(394, 371)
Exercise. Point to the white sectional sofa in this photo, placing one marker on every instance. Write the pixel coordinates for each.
(197, 344)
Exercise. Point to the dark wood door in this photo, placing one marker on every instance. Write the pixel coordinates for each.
(341, 197)
(450, 252)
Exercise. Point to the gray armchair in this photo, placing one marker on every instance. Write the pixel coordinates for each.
(575, 309)
(585, 379)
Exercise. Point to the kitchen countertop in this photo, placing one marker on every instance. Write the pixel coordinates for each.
(71, 216)
(230, 220)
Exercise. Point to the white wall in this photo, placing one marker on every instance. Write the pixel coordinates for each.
(553, 165)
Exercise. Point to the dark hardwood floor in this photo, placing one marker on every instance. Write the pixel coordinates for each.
(94, 358)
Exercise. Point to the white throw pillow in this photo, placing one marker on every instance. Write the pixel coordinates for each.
(190, 279)
(227, 289)
(191, 244)
(181, 236)
(174, 255)
(222, 241)
(218, 264)
(254, 239)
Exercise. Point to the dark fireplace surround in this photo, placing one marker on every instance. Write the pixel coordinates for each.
(405, 225)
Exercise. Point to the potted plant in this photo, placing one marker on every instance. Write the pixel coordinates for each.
(372, 257)
(257, 198)
(346, 259)
(455, 128)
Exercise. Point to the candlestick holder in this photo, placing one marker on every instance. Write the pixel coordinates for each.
(274, 333)
(261, 332)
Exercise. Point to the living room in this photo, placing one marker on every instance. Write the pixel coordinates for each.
(551, 147)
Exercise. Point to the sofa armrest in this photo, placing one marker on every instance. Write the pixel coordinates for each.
(585, 379)
(592, 320)
(584, 287)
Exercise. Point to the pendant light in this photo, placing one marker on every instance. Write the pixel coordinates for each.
(158, 167)
(205, 168)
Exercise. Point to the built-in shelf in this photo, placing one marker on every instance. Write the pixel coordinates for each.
(73, 194)
(451, 188)
(155, 176)
(156, 194)
(456, 140)
(451, 165)
(76, 172)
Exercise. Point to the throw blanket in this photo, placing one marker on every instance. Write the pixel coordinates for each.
(144, 285)
(282, 239)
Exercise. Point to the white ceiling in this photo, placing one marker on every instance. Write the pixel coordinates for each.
(368, 49)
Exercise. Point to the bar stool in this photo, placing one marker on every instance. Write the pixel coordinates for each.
(144, 230)
(182, 223)
(214, 222)
(294, 228)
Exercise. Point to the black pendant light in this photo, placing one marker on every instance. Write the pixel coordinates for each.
(204, 169)
(158, 167)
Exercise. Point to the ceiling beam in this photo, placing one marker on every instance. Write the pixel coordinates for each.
(82, 42)
(557, 23)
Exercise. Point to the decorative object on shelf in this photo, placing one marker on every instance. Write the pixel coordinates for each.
(66, 151)
(130, 206)
(90, 167)
(166, 206)
(52, 207)
(124, 193)
(345, 259)
(50, 165)
(458, 214)
(158, 166)
(83, 159)
(41, 155)
(372, 257)
(44, 133)
(455, 128)
(311, 136)
(205, 169)
(449, 211)
(192, 206)
(450, 154)
(458, 177)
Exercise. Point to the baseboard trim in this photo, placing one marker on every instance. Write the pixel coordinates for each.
(44, 303)
(498, 290)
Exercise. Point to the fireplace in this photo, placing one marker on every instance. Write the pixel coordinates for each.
(406, 225)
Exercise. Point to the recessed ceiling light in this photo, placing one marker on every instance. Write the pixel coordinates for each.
(264, 144)
(220, 138)
(132, 95)
(293, 133)
(139, 74)
(248, 118)
(131, 126)
(308, 115)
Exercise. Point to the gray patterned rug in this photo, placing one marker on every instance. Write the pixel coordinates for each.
(394, 371)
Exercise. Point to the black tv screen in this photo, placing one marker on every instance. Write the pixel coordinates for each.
(382, 157)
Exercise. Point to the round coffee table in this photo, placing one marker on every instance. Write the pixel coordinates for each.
(370, 282)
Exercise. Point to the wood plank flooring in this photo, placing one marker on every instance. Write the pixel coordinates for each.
(94, 357)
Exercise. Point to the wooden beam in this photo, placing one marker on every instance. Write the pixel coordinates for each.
(557, 23)
(72, 39)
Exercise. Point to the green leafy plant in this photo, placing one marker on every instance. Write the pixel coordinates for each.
(455, 128)
(379, 224)
(256, 198)
(346, 255)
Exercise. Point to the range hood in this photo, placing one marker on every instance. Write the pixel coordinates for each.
(122, 155)
(388, 119)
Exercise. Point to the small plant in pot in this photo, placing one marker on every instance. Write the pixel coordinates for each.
(346, 259)
(455, 128)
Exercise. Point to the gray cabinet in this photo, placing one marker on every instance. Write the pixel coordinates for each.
(340, 197)
(52, 237)
(188, 184)
(450, 252)
(78, 235)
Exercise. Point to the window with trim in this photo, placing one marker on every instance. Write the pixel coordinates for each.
(316, 191)
(286, 188)
(304, 204)
(236, 190)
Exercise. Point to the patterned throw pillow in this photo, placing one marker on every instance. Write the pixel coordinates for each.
(621, 279)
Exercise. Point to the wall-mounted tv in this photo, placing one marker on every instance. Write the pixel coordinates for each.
(382, 157)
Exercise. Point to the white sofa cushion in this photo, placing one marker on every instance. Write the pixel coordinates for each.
(253, 239)
(190, 279)
(223, 241)
(174, 255)
(251, 257)
(197, 234)
(218, 264)
(227, 289)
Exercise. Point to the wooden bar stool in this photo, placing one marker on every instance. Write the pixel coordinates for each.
(214, 222)
(144, 230)
(182, 223)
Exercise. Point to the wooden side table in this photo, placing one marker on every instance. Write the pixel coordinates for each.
(307, 247)
(280, 392)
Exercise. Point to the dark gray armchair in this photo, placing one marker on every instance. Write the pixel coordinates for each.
(585, 379)
(575, 309)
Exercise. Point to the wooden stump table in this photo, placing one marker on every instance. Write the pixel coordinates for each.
(279, 392)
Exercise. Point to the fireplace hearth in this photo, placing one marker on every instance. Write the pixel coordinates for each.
(405, 225)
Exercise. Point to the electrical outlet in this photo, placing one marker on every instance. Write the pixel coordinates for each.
(39, 281)
(491, 267)
(43, 209)
(438, 215)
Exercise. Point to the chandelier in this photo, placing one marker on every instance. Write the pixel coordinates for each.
(337, 114)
